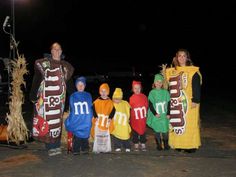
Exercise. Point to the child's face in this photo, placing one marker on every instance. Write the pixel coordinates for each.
(103, 93)
(116, 100)
(136, 89)
(80, 87)
(158, 84)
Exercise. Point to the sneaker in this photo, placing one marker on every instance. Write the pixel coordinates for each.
(58, 151)
(127, 150)
(118, 149)
(143, 147)
(136, 147)
(52, 152)
(76, 153)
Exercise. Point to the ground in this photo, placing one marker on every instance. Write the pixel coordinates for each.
(216, 157)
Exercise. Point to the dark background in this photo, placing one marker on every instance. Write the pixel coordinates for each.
(103, 36)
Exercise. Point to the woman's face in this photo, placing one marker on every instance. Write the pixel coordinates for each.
(182, 58)
(56, 52)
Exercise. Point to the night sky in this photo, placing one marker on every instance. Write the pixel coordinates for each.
(108, 35)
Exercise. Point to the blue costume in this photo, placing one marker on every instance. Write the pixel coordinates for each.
(79, 121)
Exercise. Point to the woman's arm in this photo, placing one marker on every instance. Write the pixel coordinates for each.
(196, 88)
(37, 79)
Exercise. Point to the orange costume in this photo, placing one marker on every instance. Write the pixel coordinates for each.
(104, 111)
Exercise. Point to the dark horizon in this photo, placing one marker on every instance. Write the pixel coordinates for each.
(103, 36)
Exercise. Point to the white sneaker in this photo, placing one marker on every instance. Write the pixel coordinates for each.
(143, 147)
(136, 147)
(118, 149)
(56, 151)
(127, 150)
(52, 152)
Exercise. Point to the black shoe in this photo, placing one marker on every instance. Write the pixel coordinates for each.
(179, 150)
(190, 150)
(159, 144)
(159, 148)
(166, 148)
(166, 145)
(85, 152)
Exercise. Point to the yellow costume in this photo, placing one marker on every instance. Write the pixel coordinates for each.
(121, 120)
(184, 120)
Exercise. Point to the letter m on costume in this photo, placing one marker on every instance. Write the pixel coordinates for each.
(83, 108)
(103, 120)
(120, 117)
(140, 112)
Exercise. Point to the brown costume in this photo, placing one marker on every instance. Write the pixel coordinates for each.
(48, 92)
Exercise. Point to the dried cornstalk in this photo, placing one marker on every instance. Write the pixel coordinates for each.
(163, 72)
(17, 129)
(64, 132)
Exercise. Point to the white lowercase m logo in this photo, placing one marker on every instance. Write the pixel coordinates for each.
(103, 118)
(81, 105)
(140, 111)
(160, 107)
(121, 117)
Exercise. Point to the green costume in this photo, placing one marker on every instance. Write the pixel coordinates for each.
(159, 99)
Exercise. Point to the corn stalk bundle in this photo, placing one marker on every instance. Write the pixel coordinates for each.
(64, 132)
(163, 72)
(17, 129)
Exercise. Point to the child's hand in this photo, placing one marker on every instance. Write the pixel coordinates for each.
(194, 105)
(168, 116)
(157, 115)
(180, 99)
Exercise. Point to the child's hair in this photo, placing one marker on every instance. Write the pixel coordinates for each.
(159, 77)
(175, 60)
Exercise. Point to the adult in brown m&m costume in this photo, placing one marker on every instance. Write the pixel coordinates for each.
(48, 93)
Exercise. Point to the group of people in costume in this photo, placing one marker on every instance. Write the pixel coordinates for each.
(172, 112)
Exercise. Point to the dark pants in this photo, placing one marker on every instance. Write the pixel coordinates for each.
(138, 138)
(80, 144)
(118, 143)
(162, 137)
(54, 145)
